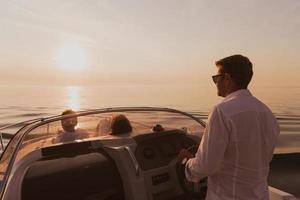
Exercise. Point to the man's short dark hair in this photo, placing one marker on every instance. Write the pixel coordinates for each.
(239, 68)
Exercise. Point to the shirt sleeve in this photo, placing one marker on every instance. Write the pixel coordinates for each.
(212, 147)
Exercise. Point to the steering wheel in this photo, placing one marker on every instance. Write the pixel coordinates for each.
(192, 190)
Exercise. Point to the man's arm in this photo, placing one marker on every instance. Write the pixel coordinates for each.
(212, 147)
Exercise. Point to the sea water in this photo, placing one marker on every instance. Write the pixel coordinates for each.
(19, 103)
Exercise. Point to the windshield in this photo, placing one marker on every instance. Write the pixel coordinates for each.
(117, 124)
(108, 125)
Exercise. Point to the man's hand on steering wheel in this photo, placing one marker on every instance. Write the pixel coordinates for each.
(184, 154)
(192, 190)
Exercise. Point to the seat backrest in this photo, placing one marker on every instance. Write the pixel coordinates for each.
(70, 174)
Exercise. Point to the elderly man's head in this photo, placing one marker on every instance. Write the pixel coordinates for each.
(69, 124)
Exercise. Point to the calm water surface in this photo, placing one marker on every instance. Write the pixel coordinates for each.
(19, 103)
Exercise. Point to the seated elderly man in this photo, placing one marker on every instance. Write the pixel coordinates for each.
(69, 132)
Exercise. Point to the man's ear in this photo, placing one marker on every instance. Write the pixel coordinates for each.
(227, 76)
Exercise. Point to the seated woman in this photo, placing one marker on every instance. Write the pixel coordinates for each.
(120, 124)
(69, 132)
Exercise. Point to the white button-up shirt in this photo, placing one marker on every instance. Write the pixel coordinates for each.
(236, 149)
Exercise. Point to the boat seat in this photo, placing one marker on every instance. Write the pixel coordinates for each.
(66, 172)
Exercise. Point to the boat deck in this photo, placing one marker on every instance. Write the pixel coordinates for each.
(285, 173)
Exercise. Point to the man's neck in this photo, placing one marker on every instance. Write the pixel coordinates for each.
(69, 130)
(232, 90)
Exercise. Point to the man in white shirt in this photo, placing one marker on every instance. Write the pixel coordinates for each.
(239, 139)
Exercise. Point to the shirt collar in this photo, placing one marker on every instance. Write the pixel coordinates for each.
(241, 92)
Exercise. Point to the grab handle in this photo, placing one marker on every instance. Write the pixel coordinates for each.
(134, 161)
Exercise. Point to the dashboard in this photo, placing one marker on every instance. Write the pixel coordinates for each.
(159, 149)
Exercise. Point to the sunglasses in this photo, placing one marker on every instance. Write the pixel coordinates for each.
(215, 78)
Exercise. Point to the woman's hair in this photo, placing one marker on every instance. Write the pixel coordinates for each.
(120, 124)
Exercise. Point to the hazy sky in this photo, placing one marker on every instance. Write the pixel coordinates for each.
(79, 42)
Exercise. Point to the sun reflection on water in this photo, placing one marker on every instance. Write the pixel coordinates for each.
(73, 93)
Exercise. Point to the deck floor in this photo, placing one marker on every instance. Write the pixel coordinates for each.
(285, 173)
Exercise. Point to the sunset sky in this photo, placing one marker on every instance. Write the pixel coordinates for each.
(83, 42)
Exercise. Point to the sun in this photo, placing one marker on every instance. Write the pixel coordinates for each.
(71, 57)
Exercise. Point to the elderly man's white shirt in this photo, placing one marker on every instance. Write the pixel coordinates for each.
(236, 149)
